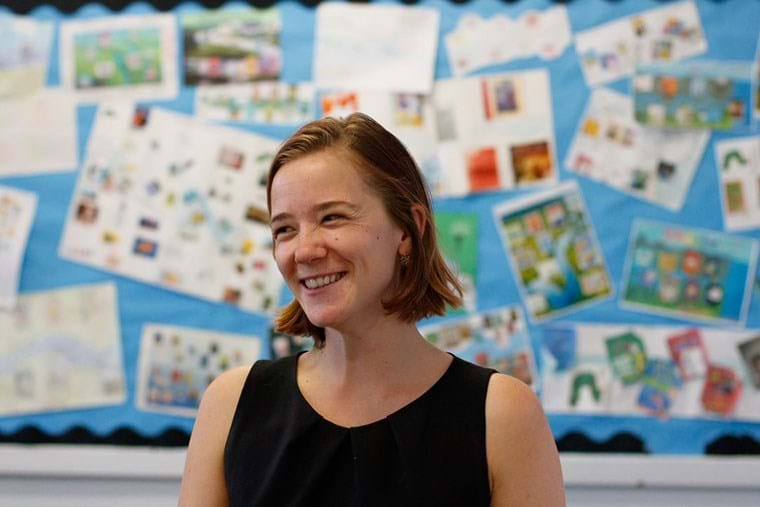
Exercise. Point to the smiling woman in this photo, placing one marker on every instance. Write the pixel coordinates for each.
(373, 414)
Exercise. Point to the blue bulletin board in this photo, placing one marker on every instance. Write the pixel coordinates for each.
(731, 29)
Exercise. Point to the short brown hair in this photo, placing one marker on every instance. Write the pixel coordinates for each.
(427, 284)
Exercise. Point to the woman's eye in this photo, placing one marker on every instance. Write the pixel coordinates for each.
(331, 218)
(280, 230)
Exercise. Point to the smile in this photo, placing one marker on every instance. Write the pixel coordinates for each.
(318, 282)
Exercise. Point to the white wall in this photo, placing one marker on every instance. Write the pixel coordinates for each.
(62, 476)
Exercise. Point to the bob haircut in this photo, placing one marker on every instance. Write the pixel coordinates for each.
(426, 284)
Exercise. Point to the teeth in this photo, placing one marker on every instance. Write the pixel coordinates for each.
(321, 281)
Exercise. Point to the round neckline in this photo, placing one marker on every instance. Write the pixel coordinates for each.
(408, 405)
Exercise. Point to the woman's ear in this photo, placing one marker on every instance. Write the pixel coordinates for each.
(420, 220)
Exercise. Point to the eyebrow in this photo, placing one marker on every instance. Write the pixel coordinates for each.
(319, 207)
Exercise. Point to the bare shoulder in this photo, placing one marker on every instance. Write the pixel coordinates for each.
(523, 462)
(203, 478)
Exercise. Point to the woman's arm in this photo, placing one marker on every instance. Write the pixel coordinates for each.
(523, 461)
(203, 479)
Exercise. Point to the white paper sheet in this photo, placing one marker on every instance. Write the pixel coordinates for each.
(38, 133)
(17, 208)
(649, 163)
(24, 54)
(375, 47)
(61, 350)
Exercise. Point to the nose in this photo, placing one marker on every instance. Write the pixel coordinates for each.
(310, 247)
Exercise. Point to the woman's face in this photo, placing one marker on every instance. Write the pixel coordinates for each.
(334, 242)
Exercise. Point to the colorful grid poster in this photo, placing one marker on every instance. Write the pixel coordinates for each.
(497, 339)
(553, 251)
(689, 273)
(655, 371)
(61, 350)
(175, 202)
(178, 363)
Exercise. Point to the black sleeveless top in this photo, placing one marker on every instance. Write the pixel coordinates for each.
(431, 452)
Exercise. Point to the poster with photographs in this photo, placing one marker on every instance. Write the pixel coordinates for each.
(650, 371)
(495, 132)
(17, 208)
(61, 350)
(694, 95)
(38, 133)
(231, 45)
(738, 164)
(375, 47)
(119, 58)
(171, 201)
(178, 363)
(669, 33)
(261, 103)
(458, 237)
(649, 163)
(24, 53)
(553, 250)
(409, 116)
(497, 339)
(690, 273)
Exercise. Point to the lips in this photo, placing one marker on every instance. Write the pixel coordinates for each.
(320, 281)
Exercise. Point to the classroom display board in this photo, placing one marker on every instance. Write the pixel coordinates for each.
(594, 167)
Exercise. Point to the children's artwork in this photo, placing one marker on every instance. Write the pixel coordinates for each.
(641, 370)
(553, 251)
(61, 350)
(750, 352)
(653, 164)
(458, 238)
(409, 116)
(757, 80)
(120, 58)
(497, 339)
(24, 52)
(17, 209)
(171, 201)
(738, 165)
(668, 33)
(477, 43)
(375, 47)
(38, 133)
(689, 273)
(178, 363)
(262, 103)
(231, 45)
(701, 94)
(495, 132)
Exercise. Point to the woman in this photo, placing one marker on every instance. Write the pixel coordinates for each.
(373, 414)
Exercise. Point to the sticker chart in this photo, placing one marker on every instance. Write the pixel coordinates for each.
(552, 248)
(171, 201)
(649, 163)
(177, 364)
(693, 274)
(694, 95)
(61, 350)
(651, 371)
(497, 339)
